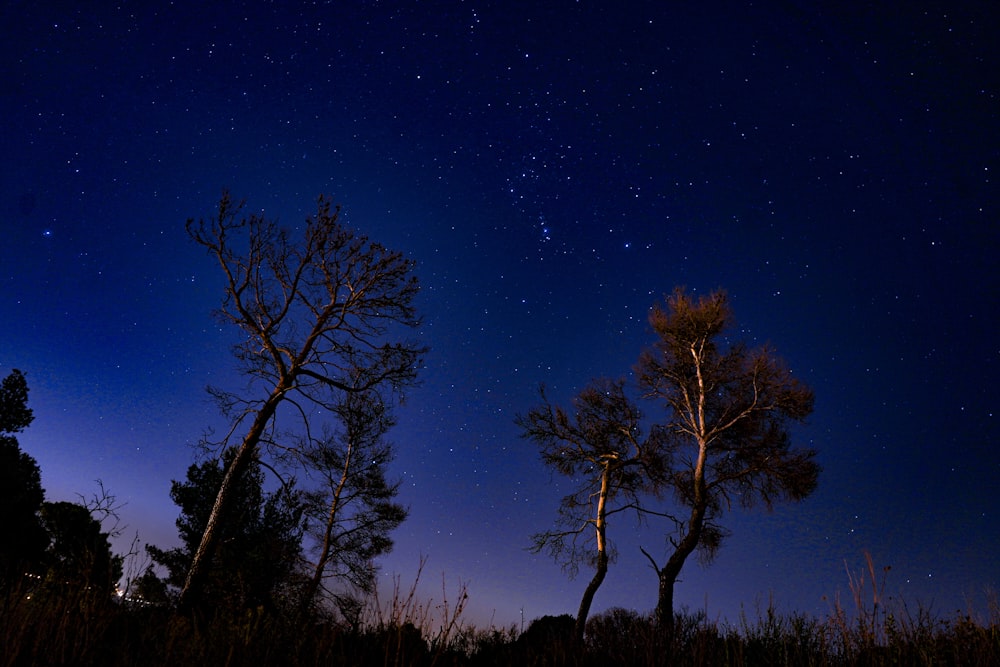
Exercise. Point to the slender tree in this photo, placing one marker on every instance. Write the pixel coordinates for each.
(601, 447)
(351, 510)
(727, 436)
(316, 318)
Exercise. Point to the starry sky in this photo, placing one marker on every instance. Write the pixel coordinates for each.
(554, 168)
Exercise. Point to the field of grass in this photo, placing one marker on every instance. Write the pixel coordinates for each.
(80, 630)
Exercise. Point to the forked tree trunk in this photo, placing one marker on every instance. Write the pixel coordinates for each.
(665, 603)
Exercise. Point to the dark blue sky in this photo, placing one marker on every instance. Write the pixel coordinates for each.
(554, 169)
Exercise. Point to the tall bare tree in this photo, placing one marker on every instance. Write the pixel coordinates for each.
(317, 316)
(601, 446)
(727, 436)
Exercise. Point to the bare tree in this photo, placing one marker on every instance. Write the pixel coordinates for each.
(601, 446)
(727, 437)
(351, 510)
(317, 316)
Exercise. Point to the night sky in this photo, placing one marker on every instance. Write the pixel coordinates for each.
(554, 168)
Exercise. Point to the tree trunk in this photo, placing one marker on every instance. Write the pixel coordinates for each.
(588, 595)
(665, 606)
(192, 591)
(665, 599)
(668, 573)
(600, 525)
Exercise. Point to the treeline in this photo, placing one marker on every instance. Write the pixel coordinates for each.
(48, 548)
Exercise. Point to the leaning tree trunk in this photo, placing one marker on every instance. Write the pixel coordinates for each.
(191, 594)
(689, 542)
(588, 595)
(602, 554)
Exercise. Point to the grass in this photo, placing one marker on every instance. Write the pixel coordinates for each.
(402, 630)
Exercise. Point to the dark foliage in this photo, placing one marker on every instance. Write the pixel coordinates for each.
(70, 630)
(547, 632)
(256, 564)
(15, 415)
(79, 559)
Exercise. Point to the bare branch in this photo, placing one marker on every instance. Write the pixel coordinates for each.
(319, 315)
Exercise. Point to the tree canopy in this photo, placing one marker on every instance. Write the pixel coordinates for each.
(259, 558)
(21, 494)
(79, 557)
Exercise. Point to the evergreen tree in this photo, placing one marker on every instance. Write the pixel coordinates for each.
(23, 546)
(257, 562)
(79, 558)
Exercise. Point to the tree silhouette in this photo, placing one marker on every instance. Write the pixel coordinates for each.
(257, 561)
(316, 317)
(351, 510)
(79, 558)
(726, 439)
(601, 446)
(21, 495)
